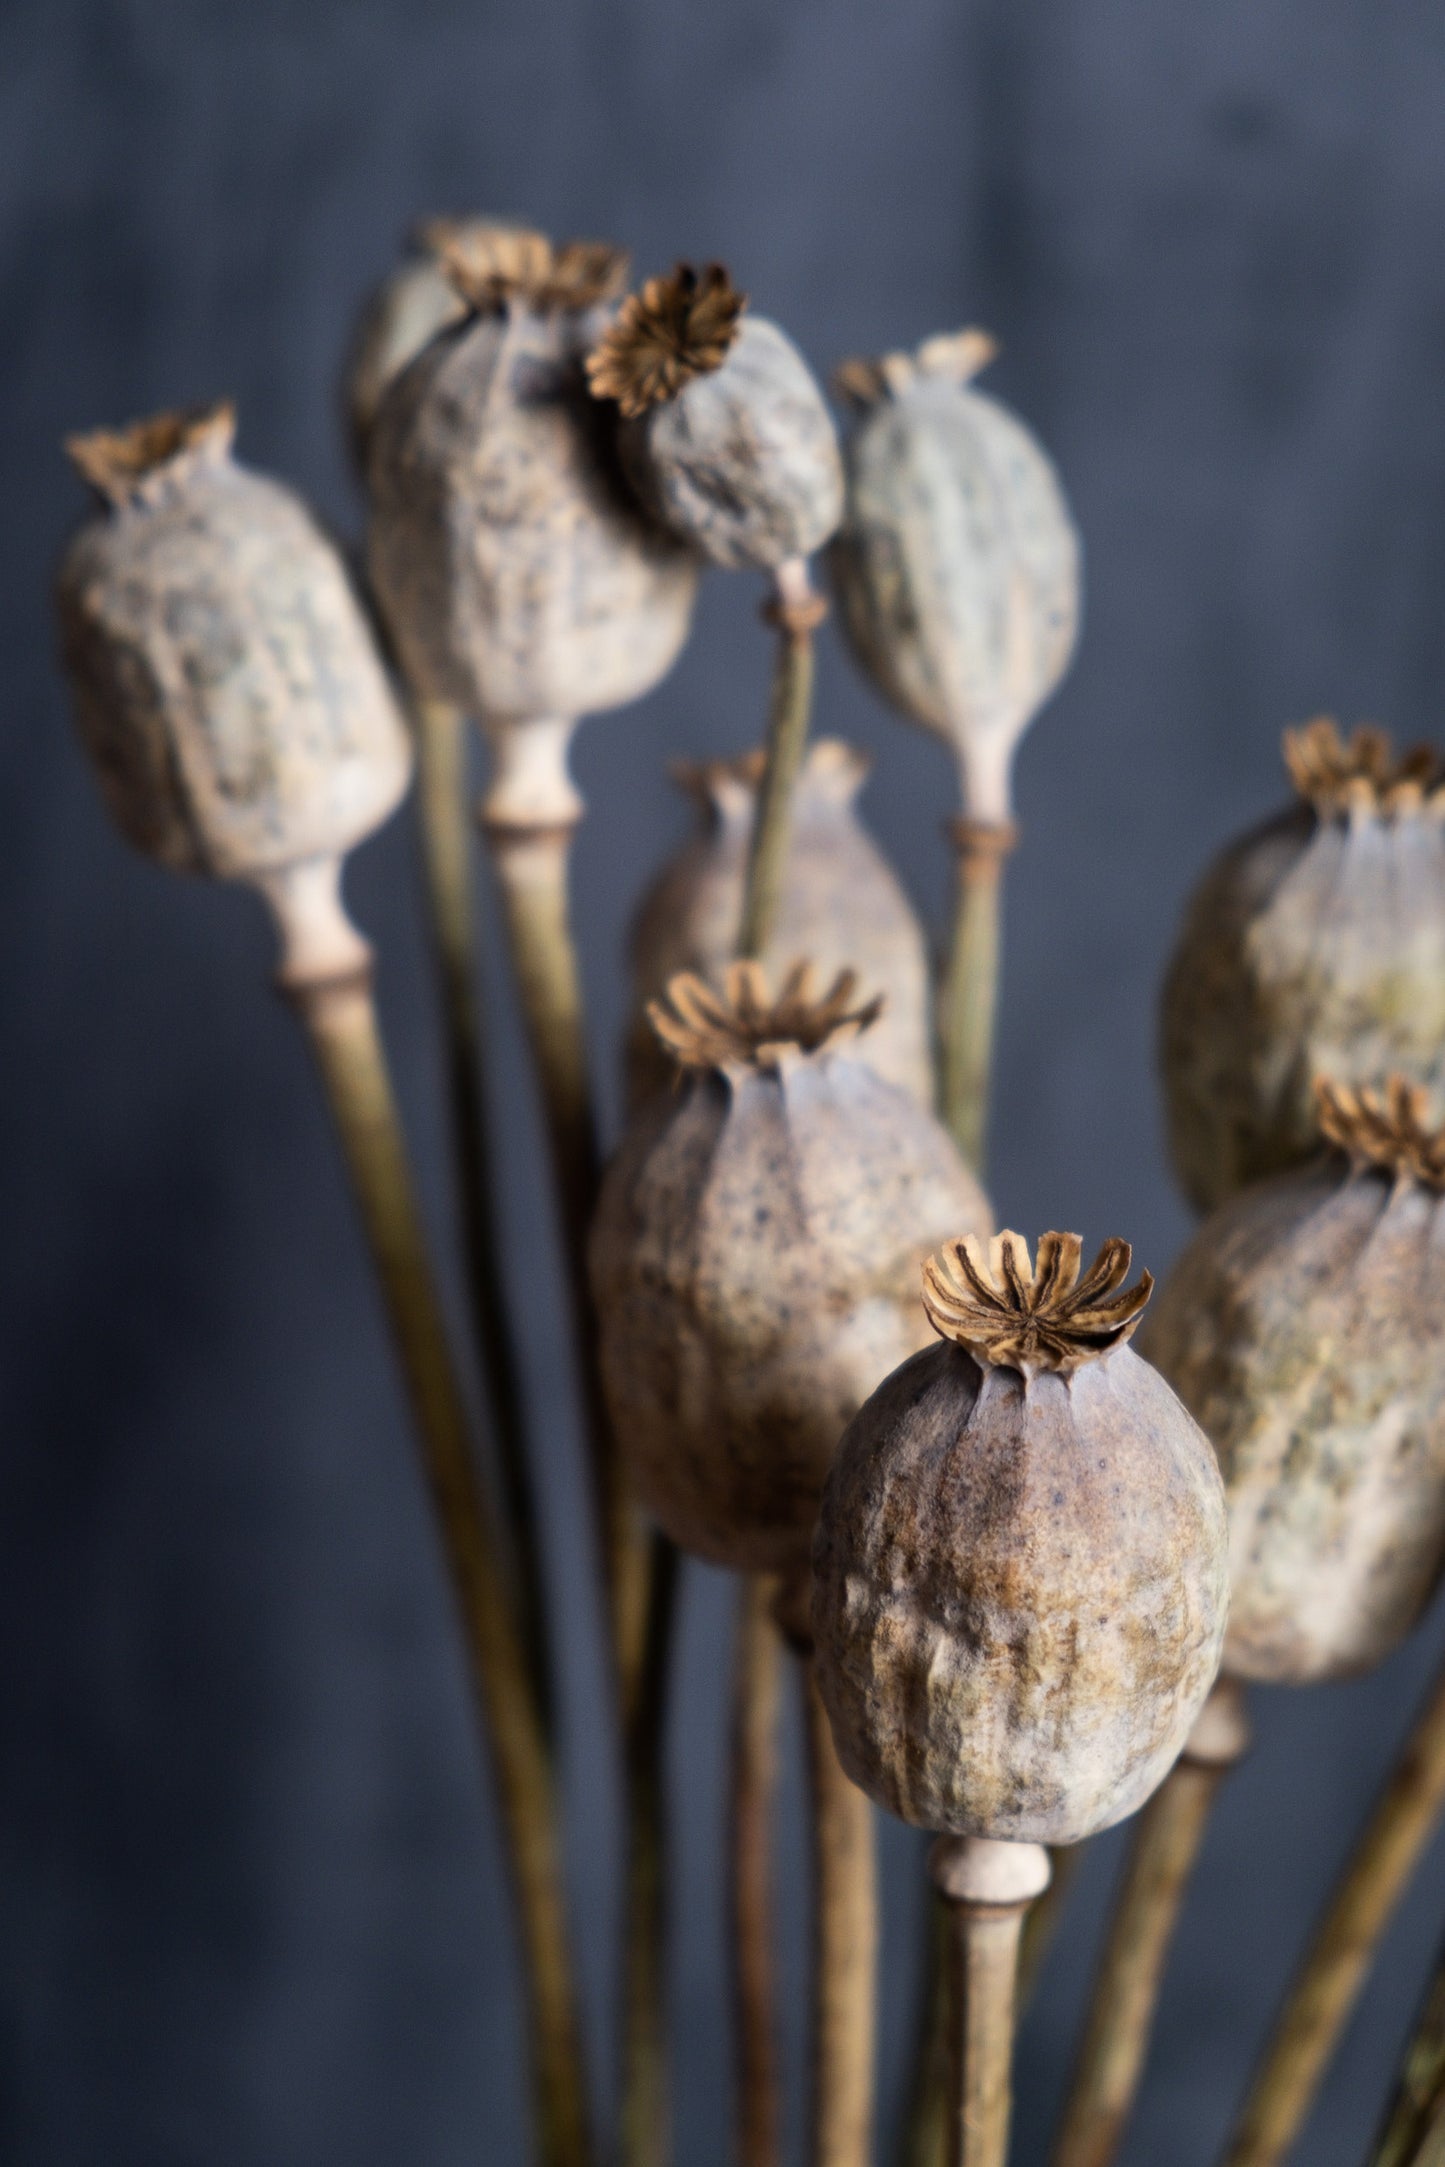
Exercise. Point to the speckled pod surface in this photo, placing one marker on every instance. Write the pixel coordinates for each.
(226, 682)
(755, 1265)
(1315, 946)
(841, 905)
(1020, 1567)
(957, 563)
(1305, 1328)
(518, 574)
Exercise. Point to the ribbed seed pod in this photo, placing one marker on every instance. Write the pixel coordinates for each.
(755, 1259)
(1315, 946)
(1305, 1329)
(517, 573)
(725, 434)
(840, 905)
(1020, 1584)
(957, 563)
(227, 684)
(407, 310)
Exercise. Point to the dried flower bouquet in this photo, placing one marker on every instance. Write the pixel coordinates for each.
(1024, 1564)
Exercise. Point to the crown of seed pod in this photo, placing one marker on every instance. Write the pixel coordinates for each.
(1019, 1582)
(755, 1258)
(1315, 946)
(840, 904)
(518, 575)
(957, 563)
(725, 434)
(226, 682)
(1305, 1329)
(411, 305)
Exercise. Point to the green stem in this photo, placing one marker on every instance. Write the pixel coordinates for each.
(340, 1019)
(969, 993)
(797, 612)
(446, 833)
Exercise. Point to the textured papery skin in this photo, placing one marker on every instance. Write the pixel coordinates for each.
(756, 1264)
(743, 462)
(957, 563)
(841, 905)
(1305, 1329)
(226, 681)
(404, 314)
(1019, 1593)
(1314, 947)
(518, 575)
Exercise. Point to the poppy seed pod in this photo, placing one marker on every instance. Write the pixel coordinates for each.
(1019, 1575)
(1304, 1327)
(516, 571)
(226, 681)
(1315, 946)
(840, 904)
(725, 434)
(957, 563)
(755, 1256)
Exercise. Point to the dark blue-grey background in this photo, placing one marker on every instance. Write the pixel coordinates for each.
(250, 1906)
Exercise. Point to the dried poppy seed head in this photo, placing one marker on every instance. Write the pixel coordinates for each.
(227, 684)
(957, 563)
(519, 577)
(724, 434)
(1314, 946)
(1019, 1573)
(993, 1302)
(840, 903)
(675, 329)
(756, 1255)
(1302, 1327)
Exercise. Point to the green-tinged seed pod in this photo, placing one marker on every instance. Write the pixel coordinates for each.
(226, 681)
(1304, 1327)
(725, 434)
(1019, 1576)
(755, 1259)
(407, 310)
(516, 571)
(1315, 946)
(957, 563)
(841, 905)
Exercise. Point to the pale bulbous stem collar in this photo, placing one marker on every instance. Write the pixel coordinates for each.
(319, 942)
(531, 785)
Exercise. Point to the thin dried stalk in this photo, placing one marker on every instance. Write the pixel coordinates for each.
(340, 1019)
(446, 833)
(646, 2101)
(1328, 1982)
(1414, 2129)
(797, 612)
(968, 996)
(757, 1698)
(926, 2116)
(988, 1887)
(1167, 1837)
(845, 1948)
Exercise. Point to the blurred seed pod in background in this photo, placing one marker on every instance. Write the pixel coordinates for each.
(957, 563)
(725, 435)
(1315, 946)
(226, 680)
(841, 905)
(518, 576)
(755, 1259)
(1304, 1327)
(1020, 1582)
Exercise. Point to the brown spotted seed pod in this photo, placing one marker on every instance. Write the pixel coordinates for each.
(1315, 946)
(226, 682)
(841, 904)
(957, 563)
(755, 1259)
(1020, 1581)
(724, 434)
(1304, 1327)
(518, 576)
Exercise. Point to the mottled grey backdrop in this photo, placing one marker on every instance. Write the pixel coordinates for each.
(250, 1907)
